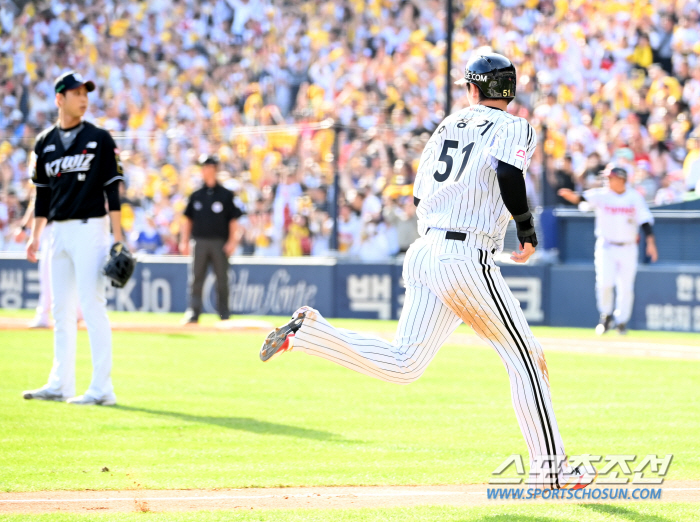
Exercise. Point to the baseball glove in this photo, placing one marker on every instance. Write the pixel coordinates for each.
(120, 265)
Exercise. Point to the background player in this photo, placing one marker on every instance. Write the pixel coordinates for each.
(469, 183)
(211, 218)
(619, 212)
(75, 165)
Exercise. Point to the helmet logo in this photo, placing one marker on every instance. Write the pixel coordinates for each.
(470, 76)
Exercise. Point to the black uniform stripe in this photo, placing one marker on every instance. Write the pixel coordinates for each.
(506, 354)
(529, 364)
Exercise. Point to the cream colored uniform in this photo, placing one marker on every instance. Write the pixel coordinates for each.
(617, 221)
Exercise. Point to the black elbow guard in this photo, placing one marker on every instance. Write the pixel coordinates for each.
(525, 225)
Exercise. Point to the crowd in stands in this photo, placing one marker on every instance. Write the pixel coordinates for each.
(254, 81)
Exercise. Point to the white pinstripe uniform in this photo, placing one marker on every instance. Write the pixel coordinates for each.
(449, 281)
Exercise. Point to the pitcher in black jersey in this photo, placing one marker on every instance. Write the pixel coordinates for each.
(75, 167)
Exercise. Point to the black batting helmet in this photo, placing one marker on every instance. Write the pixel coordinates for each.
(492, 73)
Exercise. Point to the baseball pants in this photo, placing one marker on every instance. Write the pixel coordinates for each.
(44, 303)
(43, 307)
(78, 252)
(615, 269)
(446, 284)
(209, 251)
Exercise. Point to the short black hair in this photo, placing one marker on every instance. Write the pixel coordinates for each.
(482, 97)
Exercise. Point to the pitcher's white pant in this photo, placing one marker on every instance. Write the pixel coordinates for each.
(447, 283)
(615, 268)
(44, 303)
(78, 253)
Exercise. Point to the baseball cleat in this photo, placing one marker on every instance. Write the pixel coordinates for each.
(605, 324)
(621, 328)
(189, 318)
(43, 394)
(277, 341)
(579, 478)
(84, 400)
(38, 322)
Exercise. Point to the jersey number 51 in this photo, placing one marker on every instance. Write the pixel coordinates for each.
(448, 160)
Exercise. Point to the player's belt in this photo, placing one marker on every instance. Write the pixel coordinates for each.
(457, 236)
(618, 244)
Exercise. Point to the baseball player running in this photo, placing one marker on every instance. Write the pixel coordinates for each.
(75, 167)
(619, 212)
(470, 182)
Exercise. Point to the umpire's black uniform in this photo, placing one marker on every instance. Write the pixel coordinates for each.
(210, 211)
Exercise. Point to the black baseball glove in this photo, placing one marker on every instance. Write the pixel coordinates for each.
(120, 265)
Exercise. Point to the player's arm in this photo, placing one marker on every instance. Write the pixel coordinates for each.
(186, 228)
(426, 166)
(42, 200)
(115, 211)
(185, 232)
(233, 214)
(652, 252)
(646, 220)
(512, 149)
(114, 173)
(570, 196)
(512, 184)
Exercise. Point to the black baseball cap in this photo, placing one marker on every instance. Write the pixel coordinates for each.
(72, 80)
(208, 159)
(617, 172)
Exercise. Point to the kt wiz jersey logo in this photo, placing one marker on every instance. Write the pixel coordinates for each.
(75, 163)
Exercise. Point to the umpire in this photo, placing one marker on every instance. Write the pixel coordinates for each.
(211, 220)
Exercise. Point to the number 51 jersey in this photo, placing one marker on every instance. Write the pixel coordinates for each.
(456, 181)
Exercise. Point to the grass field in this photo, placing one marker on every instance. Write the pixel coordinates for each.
(199, 410)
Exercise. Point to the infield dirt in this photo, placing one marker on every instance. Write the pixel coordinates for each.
(471, 495)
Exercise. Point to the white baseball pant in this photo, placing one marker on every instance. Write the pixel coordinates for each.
(44, 267)
(78, 253)
(446, 284)
(615, 269)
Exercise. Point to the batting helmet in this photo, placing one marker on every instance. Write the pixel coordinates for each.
(493, 74)
(120, 265)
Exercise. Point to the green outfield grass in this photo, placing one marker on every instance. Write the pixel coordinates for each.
(390, 326)
(199, 410)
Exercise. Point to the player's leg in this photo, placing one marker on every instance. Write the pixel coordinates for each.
(41, 319)
(604, 262)
(475, 290)
(89, 252)
(64, 299)
(626, 263)
(199, 272)
(220, 264)
(424, 325)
